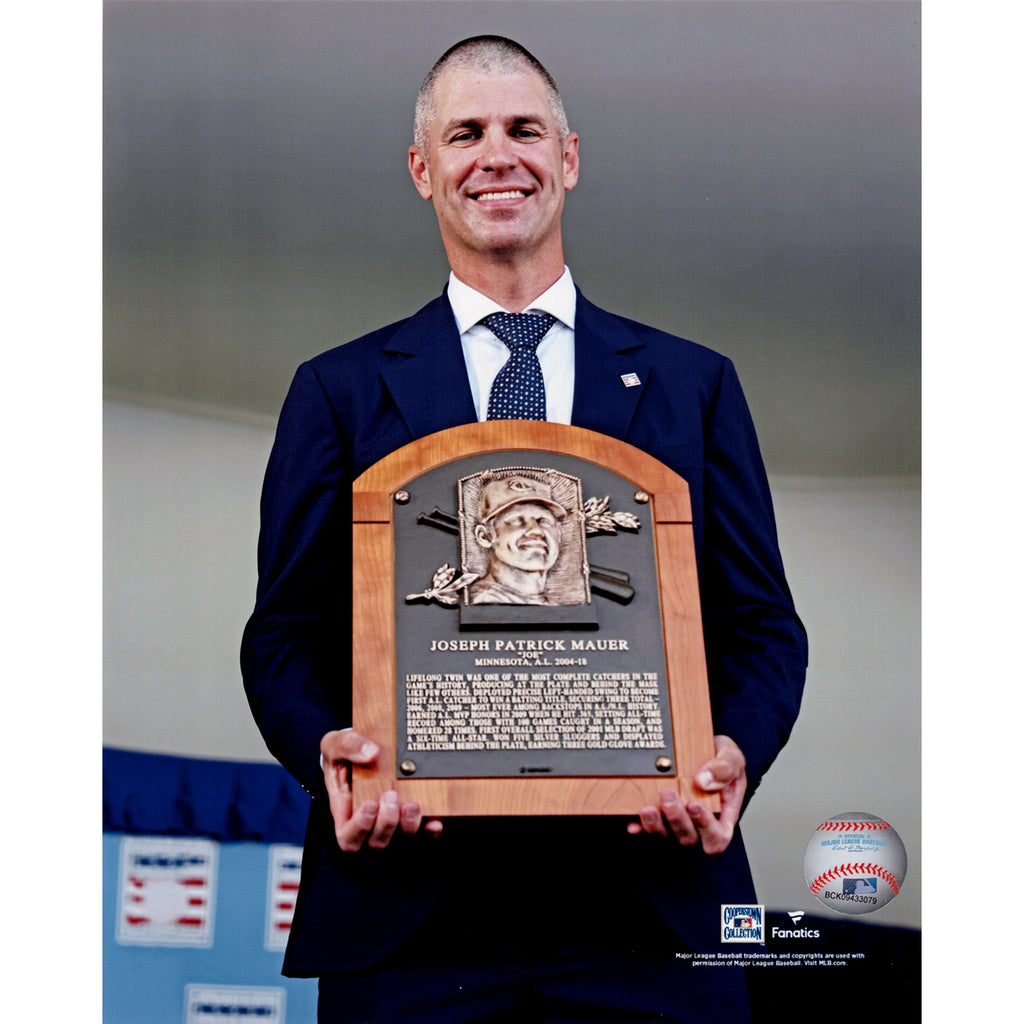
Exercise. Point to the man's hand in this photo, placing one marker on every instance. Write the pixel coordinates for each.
(373, 822)
(725, 774)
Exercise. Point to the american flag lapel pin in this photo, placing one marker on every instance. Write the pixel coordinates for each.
(630, 380)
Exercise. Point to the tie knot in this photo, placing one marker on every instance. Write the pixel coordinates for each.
(516, 329)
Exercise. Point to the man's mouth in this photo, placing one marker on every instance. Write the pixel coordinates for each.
(533, 545)
(491, 197)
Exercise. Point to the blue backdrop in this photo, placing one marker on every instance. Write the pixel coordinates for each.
(241, 814)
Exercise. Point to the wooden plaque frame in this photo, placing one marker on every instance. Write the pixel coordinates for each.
(373, 629)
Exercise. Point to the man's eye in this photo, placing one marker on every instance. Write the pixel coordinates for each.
(525, 133)
(466, 136)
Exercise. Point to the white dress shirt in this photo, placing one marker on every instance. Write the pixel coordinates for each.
(486, 354)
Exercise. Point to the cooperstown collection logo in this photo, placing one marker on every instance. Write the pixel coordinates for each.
(743, 923)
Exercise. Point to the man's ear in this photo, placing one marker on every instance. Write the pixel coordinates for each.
(420, 172)
(483, 535)
(571, 161)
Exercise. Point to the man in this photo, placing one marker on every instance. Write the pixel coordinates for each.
(520, 527)
(534, 919)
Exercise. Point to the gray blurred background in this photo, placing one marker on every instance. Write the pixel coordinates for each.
(750, 178)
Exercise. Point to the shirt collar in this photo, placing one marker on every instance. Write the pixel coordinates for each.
(471, 306)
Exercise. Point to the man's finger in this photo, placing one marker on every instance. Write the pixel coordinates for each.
(725, 767)
(348, 745)
(712, 777)
(410, 818)
(677, 818)
(715, 835)
(352, 834)
(732, 802)
(349, 830)
(388, 814)
(339, 792)
(651, 821)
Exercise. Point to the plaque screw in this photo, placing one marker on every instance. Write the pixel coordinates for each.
(401, 497)
(663, 764)
(408, 767)
(641, 497)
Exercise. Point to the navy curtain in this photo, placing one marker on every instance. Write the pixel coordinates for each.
(157, 794)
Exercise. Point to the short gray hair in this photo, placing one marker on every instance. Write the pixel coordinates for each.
(490, 55)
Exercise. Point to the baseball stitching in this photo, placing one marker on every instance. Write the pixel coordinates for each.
(841, 870)
(852, 826)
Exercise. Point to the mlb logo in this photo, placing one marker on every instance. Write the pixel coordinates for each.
(860, 886)
(743, 922)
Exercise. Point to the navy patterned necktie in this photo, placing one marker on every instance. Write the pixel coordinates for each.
(518, 391)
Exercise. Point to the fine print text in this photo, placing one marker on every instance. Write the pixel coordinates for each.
(569, 710)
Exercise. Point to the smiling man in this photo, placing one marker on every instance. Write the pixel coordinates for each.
(520, 525)
(494, 155)
(575, 919)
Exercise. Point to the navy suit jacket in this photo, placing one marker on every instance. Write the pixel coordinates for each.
(351, 406)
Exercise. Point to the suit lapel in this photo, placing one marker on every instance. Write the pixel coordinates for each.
(427, 378)
(426, 375)
(611, 371)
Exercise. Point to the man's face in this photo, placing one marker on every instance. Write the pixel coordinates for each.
(495, 168)
(526, 536)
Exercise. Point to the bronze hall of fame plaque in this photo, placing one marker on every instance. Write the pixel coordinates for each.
(516, 649)
(519, 666)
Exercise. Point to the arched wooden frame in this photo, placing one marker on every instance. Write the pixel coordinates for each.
(374, 657)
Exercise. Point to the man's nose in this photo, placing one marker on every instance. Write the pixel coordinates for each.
(533, 527)
(496, 152)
